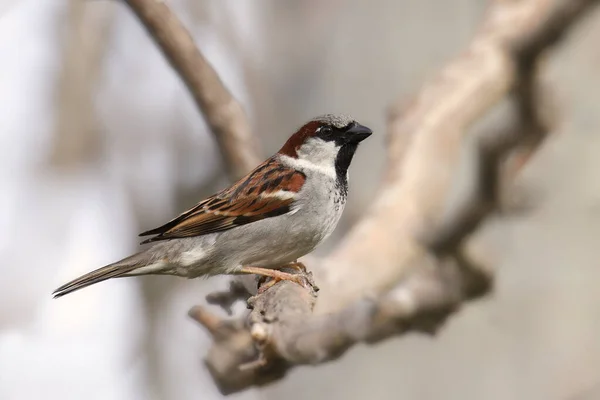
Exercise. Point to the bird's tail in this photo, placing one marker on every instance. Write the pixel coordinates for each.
(120, 268)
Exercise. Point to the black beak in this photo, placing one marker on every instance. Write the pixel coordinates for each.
(357, 133)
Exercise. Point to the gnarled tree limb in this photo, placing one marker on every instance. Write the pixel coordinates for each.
(401, 267)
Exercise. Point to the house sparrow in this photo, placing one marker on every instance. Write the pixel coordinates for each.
(277, 213)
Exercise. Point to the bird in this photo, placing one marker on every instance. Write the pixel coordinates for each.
(277, 213)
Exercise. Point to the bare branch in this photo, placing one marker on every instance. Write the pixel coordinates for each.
(223, 113)
(557, 23)
(530, 123)
(526, 127)
(284, 331)
(384, 278)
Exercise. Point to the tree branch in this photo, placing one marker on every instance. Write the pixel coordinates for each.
(392, 273)
(223, 113)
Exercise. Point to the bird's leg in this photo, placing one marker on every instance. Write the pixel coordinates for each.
(263, 287)
(275, 276)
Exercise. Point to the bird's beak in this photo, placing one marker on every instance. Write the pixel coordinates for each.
(357, 133)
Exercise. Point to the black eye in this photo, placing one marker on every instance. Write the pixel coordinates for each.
(326, 131)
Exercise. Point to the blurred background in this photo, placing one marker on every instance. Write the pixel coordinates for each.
(100, 140)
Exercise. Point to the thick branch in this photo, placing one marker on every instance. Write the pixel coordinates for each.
(425, 144)
(223, 113)
(383, 279)
(527, 127)
(284, 332)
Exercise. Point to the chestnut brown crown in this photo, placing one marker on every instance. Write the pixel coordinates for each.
(341, 129)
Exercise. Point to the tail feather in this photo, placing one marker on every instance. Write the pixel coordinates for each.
(115, 270)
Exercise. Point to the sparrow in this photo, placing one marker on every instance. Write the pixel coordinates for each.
(277, 213)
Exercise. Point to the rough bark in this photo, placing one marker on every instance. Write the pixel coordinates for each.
(402, 267)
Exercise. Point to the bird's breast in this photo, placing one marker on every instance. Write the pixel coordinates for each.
(329, 213)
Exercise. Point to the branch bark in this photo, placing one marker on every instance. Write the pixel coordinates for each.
(394, 273)
(402, 266)
(223, 113)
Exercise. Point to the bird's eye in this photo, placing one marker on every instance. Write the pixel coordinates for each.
(326, 131)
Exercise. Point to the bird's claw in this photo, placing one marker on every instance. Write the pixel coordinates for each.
(303, 278)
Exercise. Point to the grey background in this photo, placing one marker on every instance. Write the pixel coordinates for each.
(536, 337)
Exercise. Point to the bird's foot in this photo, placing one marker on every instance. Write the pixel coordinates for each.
(263, 287)
(303, 279)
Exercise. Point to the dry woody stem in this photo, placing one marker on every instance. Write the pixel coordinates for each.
(403, 267)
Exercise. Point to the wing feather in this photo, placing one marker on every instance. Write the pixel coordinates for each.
(263, 193)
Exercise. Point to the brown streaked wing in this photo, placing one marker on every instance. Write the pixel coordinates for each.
(246, 201)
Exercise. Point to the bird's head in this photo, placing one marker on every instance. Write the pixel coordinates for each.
(328, 141)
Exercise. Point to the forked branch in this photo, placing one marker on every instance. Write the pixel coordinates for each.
(393, 272)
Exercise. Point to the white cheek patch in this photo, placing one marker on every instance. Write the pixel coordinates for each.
(319, 152)
(316, 155)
